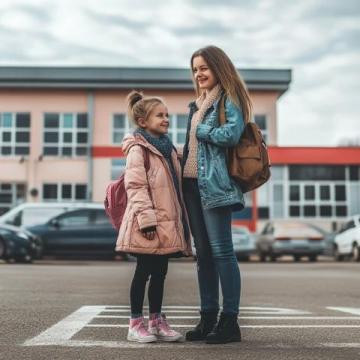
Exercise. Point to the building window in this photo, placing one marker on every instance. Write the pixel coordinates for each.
(10, 195)
(66, 134)
(260, 121)
(317, 200)
(310, 191)
(263, 201)
(14, 133)
(64, 192)
(354, 173)
(278, 200)
(316, 172)
(177, 128)
(117, 168)
(121, 126)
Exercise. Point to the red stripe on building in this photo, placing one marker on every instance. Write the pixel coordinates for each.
(107, 151)
(278, 155)
(314, 155)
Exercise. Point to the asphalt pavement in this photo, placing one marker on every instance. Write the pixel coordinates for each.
(79, 309)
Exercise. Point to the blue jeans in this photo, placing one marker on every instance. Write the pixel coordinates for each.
(216, 259)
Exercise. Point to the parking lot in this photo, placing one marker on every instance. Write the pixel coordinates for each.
(79, 309)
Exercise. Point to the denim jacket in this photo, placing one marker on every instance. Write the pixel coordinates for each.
(216, 187)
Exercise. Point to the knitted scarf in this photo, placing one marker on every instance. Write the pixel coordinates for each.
(203, 103)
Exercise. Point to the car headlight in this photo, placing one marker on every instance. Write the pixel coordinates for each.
(23, 235)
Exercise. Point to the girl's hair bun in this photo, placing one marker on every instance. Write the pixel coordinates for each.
(134, 97)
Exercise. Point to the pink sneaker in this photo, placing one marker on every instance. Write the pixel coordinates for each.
(138, 332)
(161, 329)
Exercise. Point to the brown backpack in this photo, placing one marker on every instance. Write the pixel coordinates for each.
(248, 161)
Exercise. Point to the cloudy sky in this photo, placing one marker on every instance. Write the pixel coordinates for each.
(318, 39)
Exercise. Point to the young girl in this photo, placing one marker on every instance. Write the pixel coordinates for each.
(210, 193)
(155, 225)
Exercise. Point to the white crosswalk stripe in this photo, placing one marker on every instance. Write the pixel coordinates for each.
(98, 317)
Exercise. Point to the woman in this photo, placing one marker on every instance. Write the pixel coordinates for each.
(209, 192)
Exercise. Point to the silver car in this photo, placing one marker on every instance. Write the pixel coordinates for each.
(295, 238)
(244, 243)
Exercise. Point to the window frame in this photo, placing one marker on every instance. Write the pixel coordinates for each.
(264, 132)
(61, 130)
(59, 192)
(13, 130)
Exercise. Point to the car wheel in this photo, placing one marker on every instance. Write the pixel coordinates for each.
(262, 257)
(2, 248)
(297, 258)
(26, 259)
(337, 255)
(273, 258)
(243, 258)
(356, 252)
(313, 258)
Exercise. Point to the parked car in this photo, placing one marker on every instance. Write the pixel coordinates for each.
(19, 245)
(347, 240)
(290, 238)
(329, 239)
(243, 241)
(85, 231)
(29, 213)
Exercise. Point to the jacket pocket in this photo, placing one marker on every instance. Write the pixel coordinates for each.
(222, 174)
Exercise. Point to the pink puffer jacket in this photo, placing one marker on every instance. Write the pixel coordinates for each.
(164, 211)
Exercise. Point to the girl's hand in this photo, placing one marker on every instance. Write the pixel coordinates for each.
(149, 232)
(150, 235)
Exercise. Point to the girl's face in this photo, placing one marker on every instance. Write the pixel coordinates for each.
(157, 122)
(204, 77)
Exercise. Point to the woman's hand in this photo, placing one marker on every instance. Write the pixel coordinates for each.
(149, 232)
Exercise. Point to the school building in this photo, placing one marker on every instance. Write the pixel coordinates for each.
(61, 130)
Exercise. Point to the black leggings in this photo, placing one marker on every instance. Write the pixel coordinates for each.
(156, 266)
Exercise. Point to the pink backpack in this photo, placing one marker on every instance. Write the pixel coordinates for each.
(116, 199)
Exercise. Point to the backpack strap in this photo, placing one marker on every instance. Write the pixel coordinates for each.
(146, 158)
(222, 117)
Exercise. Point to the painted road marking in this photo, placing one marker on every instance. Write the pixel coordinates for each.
(242, 309)
(187, 345)
(249, 317)
(61, 333)
(342, 345)
(65, 329)
(350, 310)
(242, 326)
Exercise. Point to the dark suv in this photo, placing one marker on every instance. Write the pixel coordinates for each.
(84, 231)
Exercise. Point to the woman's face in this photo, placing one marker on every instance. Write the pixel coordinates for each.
(204, 77)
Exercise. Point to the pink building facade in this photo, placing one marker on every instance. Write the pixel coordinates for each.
(61, 128)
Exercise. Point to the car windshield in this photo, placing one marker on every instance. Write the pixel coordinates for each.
(39, 215)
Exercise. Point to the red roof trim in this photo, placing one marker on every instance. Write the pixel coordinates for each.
(314, 155)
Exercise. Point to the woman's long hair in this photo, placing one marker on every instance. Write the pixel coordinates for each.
(227, 76)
